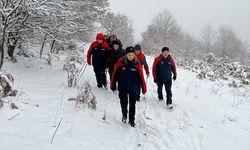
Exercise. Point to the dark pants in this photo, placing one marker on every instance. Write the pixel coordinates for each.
(100, 76)
(138, 95)
(168, 86)
(110, 73)
(124, 99)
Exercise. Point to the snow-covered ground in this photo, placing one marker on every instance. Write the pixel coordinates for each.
(207, 115)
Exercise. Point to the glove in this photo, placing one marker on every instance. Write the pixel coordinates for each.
(155, 81)
(113, 88)
(174, 77)
(143, 92)
(148, 74)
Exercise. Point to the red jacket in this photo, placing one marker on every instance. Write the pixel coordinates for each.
(94, 45)
(121, 74)
(143, 61)
(162, 68)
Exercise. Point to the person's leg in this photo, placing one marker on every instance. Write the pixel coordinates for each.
(138, 95)
(98, 76)
(132, 102)
(168, 86)
(103, 77)
(110, 73)
(124, 103)
(159, 90)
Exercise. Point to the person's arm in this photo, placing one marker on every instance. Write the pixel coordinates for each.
(143, 83)
(114, 75)
(173, 68)
(145, 64)
(154, 69)
(90, 53)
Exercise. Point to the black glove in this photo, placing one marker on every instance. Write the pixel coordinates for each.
(113, 88)
(174, 77)
(155, 81)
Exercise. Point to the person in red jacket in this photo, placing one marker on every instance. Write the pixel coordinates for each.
(99, 52)
(163, 67)
(129, 75)
(143, 62)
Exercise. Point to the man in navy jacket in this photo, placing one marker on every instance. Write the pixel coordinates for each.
(99, 52)
(163, 67)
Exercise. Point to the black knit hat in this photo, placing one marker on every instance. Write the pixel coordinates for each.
(130, 49)
(165, 49)
(137, 47)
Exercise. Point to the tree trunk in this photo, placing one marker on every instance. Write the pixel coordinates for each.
(2, 48)
(52, 46)
(11, 47)
(41, 50)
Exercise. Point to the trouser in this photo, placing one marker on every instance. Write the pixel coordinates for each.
(168, 86)
(138, 95)
(100, 76)
(126, 98)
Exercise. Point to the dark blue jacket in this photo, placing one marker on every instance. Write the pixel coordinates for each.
(99, 53)
(163, 68)
(129, 76)
(114, 56)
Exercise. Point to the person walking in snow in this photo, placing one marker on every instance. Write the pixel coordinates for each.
(143, 62)
(163, 67)
(115, 53)
(129, 75)
(99, 52)
(113, 38)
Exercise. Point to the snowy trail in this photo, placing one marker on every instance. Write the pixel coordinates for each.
(205, 116)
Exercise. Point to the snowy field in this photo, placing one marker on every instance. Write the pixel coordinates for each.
(207, 115)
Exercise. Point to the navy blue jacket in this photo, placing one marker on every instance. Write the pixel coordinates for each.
(163, 68)
(99, 53)
(129, 76)
(115, 56)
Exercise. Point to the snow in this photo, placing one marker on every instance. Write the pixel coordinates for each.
(207, 115)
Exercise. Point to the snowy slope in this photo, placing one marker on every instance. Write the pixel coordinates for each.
(206, 116)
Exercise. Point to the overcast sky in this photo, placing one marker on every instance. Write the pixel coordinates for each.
(191, 15)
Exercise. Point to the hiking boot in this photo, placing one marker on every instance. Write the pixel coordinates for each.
(105, 87)
(99, 85)
(160, 99)
(132, 124)
(170, 106)
(124, 119)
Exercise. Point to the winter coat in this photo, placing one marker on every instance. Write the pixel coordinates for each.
(115, 55)
(143, 61)
(163, 68)
(129, 76)
(99, 53)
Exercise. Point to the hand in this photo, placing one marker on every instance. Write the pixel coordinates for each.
(155, 81)
(89, 63)
(174, 77)
(113, 88)
(148, 74)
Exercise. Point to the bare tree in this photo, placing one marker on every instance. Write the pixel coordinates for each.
(207, 38)
(163, 31)
(120, 25)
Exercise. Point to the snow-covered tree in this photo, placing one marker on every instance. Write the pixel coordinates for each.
(119, 25)
(227, 43)
(207, 38)
(163, 31)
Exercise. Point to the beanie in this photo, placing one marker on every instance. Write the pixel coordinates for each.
(165, 49)
(137, 47)
(99, 36)
(130, 49)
